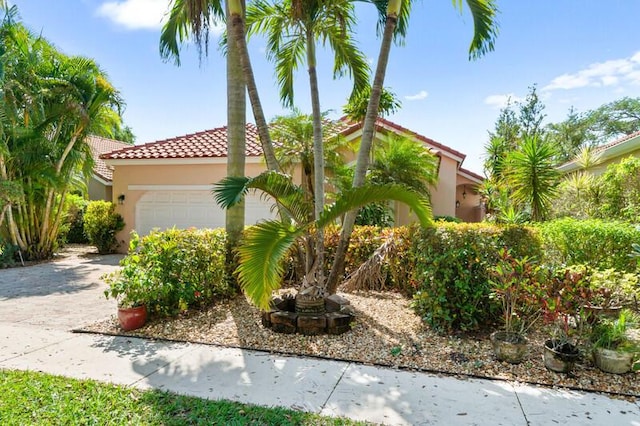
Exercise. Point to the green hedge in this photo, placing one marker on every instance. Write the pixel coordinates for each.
(174, 270)
(599, 244)
(450, 270)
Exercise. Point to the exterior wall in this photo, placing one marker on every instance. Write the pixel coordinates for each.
(469, 208)
(98, 191)
(158, 175)
(443, 197)
(602, 167)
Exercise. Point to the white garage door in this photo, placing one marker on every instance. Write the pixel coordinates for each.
(186, 209)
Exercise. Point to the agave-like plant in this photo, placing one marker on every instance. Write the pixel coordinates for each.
(265, 246)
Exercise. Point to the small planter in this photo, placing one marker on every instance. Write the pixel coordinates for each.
(132, 318)
(508, 346)
(612, 361)
(560, 357)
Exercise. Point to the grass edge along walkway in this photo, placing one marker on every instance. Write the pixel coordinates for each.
(36, 398)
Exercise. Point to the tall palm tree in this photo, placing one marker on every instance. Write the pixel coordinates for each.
(394, 16)
(293, 27)
(194, 18)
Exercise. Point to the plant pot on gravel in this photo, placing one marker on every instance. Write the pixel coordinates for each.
(612, 361)
(560, 356)
(508, 346)
(132, 318)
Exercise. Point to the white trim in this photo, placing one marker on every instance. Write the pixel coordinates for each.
(170, 187)
(175, 161)
(102, 181)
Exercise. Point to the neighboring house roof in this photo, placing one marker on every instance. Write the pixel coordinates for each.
(619, 147)
(100, 146)
(207, 144)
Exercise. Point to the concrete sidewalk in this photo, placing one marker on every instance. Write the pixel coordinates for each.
(332, 388)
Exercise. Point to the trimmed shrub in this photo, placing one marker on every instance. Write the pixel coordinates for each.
(101, 223)
(172, 271)
(76, 207)
(7, 254)
(451, 265)
(599, 244)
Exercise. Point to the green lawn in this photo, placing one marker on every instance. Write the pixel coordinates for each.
(37, 398)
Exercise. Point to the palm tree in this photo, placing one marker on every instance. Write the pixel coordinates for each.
(49, 104)
(532, 176)
(394, 16)
(293, 27)
(194, 18)
(266, 245)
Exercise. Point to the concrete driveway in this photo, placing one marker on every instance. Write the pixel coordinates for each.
(63, 294)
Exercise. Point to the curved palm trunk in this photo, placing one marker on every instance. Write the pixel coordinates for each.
(236, 147)
(318, 157)
(368, 128)
(238, 36)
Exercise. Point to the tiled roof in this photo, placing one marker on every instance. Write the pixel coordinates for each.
(99, 146)
(625, 138)
(381, 123)
(213, 143)
(206, 144)
(470, 173)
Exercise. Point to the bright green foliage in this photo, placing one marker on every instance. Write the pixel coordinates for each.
(30, 398)
(171, 271)
(101, 223)
(76, 206)
(620, 191)
(593, 242)
(451, 265)
(612, 333)
(7, 254)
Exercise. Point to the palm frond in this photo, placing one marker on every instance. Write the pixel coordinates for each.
(262, 252)
(485, 27)
(363, 195)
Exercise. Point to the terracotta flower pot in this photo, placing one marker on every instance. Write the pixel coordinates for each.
(509, 347)
(560, 357)
(132, 318)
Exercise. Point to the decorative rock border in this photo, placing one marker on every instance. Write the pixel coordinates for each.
(331, 315)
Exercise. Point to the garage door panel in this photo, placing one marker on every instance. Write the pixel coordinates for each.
(185, 209)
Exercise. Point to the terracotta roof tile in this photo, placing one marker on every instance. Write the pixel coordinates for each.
(100, 146)
(616, 142)
(207, 144)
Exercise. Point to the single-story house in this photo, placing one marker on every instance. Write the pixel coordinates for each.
(168, 182)
(610, 153)
(99, 186)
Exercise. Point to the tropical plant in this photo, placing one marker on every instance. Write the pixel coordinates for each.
(49, 102)
(533, 177)
(293, 28)
(394, 20)
(266, 245)
(612, 333)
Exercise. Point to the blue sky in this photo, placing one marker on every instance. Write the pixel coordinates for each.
(579, 53)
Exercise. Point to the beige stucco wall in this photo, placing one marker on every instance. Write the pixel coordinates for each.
(470, 209)
(98, 191)
(167, 174)
(443, 196)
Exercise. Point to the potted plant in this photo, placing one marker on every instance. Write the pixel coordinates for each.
(515, 285)
(563, 304)
(613, 350)
(130, 289)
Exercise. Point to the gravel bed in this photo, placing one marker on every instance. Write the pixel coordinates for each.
(386, 332)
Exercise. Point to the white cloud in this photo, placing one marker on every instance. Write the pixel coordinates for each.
(501, 101)
(609, 73)
(418, 96)
(135, 14)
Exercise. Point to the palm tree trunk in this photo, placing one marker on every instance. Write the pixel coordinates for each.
(236, 147)
(238, 36)
(368, 128)
(318, 156)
